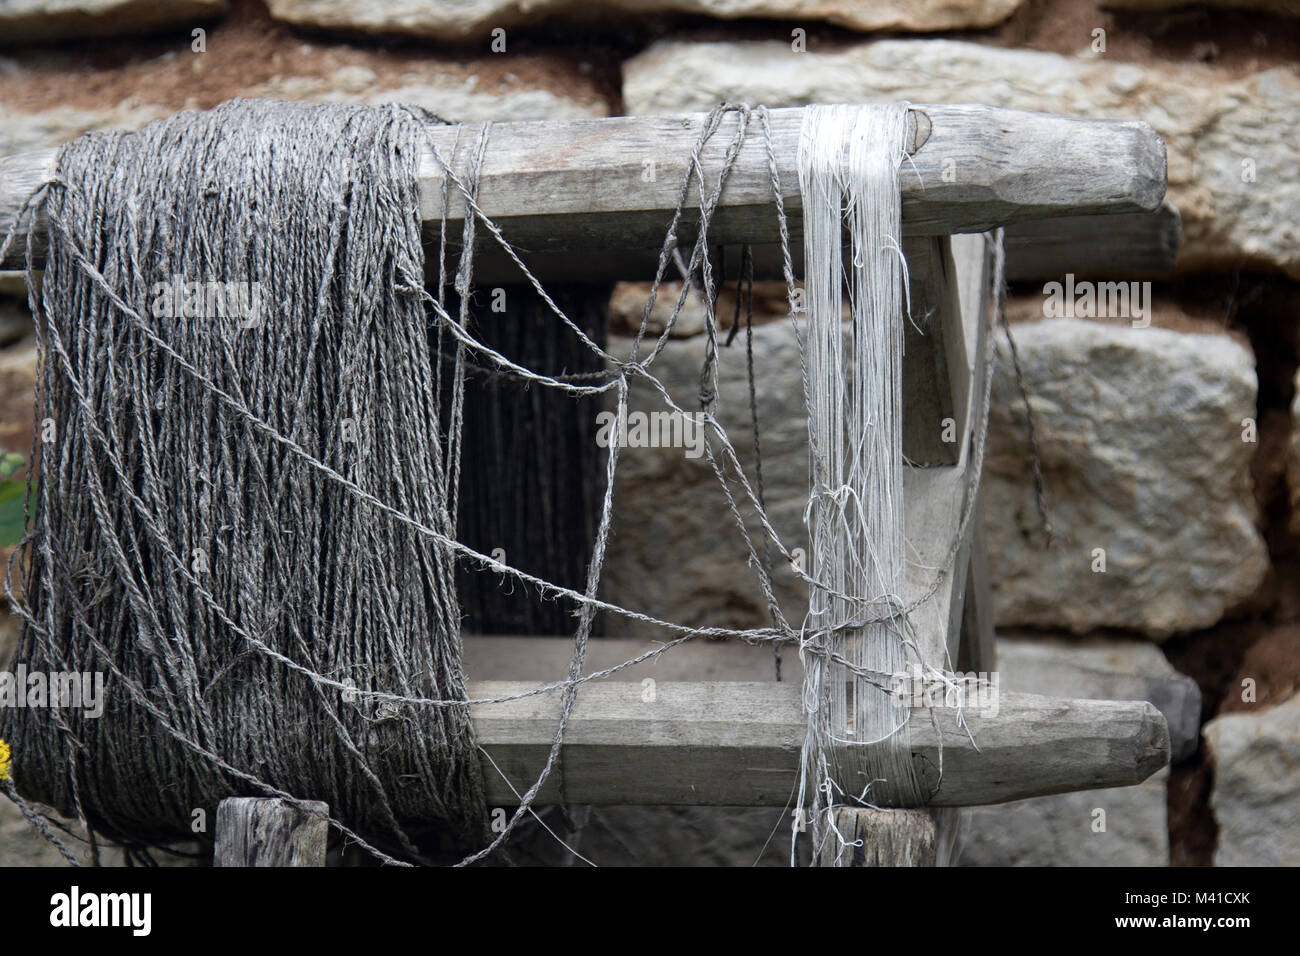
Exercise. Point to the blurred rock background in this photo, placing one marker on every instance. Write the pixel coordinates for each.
(1175, 448)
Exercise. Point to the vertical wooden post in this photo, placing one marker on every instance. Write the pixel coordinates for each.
(936, 366)
(256, 831)
(952, 276)
(887, 838)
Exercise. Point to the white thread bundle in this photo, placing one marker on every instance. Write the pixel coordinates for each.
(848, 167)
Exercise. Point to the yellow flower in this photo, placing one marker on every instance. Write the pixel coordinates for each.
(4, 760)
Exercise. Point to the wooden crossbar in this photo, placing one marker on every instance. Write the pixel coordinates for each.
(609, 186)
(734, 743)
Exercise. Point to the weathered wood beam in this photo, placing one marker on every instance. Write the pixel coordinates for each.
(737, 744)
(1051, 668)
(1115, 246)
(972, 168)
(267, 831)
(611, 184)
(1135, 243)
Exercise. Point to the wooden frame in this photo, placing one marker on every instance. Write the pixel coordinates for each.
(556, 189)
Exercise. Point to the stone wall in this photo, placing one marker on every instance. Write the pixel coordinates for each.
(1170, 450)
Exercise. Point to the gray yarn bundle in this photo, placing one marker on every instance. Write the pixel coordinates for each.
(268, 260)
(531, 475)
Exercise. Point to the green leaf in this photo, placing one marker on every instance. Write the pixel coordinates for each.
(11, 463)
(13, 501)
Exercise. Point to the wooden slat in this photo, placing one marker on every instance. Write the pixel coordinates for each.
(933, 500)
(582, 185)
(975, 642)
(1038, 668)
(978, 167)
(1113, 246)
(978, 648)
(935, 365)
(973, 257)
(935, 497)
(737, 744)
(1136, 243)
